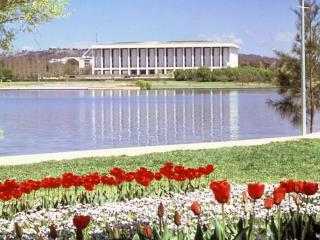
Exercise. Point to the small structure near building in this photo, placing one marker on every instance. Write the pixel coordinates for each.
(144, 58)
(84, 61)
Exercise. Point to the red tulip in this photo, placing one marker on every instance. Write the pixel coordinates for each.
(288, 185)
(81, 222)
(298, 186)
(255, 190)
(148, 231)
(196, 208)
(160, 210)
(268, 202)
(278, 195)
(310, 188)
(221, 190)
(177, 218)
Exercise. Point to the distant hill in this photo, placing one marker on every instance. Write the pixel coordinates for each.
(48, 54)
(256, 60)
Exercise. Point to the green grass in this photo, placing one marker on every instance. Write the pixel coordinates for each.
(266, 163)
(155, 84)
(192, 84)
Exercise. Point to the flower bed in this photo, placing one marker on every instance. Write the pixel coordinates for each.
(128, 214)
(115, 206)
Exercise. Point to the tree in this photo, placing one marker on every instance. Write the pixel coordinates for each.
(289, 71)
(71, 67)
(5, 74)
(26, 15)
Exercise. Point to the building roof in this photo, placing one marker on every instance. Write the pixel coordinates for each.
(166, 44)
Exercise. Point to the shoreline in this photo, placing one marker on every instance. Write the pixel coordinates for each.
(142, 150)
(136, 88)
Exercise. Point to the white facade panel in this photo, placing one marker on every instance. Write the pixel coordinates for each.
(152, 54)
(179, 57)
(161, 58)
(115, 58)
(97, 58)
(106, 58)
(207, 53)
(234, 59)
(124, 58)
(142, 63)
(133, 59)
(216, 57)
(188, 57)
(197, 57)
(225, 57)
(170, 57)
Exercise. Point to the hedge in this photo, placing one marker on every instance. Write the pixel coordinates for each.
(240, 74)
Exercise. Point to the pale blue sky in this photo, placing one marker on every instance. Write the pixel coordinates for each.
(258, 26)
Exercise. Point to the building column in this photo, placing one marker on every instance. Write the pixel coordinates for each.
(201, 56)
(147, 61)
(94, 60)
(192, 57)
(138, 64)
(174, 59)
(129, 60)
(165, 60)
(220, 57)
(101, 62)
(120, 60)
(156, 60)
(211, 57)
(110, 59)
(183, 57)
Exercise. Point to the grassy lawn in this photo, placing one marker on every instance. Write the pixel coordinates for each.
(161, 84)
(266, 163)
(191, 84)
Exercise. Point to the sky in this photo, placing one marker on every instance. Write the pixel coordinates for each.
(257, 26)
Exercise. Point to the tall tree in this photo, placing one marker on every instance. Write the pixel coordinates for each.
(26, 15)
(289, 71)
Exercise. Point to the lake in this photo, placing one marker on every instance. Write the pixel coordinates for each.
(52, 121)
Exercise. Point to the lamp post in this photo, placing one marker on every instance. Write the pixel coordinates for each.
(303, 74)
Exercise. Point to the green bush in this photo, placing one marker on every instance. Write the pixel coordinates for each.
(180, 75)
(143, 84)
(5, 74)
(241, 74)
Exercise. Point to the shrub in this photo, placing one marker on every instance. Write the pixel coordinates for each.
(241, 74)
(180, 75)
(143, 84)
(5, 74)
(203, 74)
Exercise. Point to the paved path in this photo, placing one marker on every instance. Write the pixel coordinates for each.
(133, 151)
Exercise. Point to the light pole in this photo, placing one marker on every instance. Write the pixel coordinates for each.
(303, 74)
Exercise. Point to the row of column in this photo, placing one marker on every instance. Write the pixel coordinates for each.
(141, 61)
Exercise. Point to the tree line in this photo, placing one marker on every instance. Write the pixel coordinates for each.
(36, 66)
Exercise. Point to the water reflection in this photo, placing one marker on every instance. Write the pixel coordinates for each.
(49, 121)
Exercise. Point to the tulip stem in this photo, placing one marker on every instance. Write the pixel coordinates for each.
(279, 223)
(223, 219)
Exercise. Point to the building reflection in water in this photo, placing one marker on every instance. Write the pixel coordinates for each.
(134, 117)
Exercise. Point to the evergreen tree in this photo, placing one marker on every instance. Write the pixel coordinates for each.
(289, 71)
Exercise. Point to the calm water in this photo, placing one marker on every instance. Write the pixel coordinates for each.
(51, 121)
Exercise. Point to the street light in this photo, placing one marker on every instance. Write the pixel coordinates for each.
(303, 74)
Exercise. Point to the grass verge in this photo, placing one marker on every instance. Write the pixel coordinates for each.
(266, 163)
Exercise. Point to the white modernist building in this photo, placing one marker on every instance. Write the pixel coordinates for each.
(144, 58)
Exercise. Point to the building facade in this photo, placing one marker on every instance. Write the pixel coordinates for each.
(147, 58)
